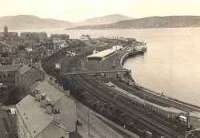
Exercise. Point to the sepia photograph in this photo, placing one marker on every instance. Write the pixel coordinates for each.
(99, 69)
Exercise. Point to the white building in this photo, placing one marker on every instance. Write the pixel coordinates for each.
(105, 53)
(85, 37)
(102, 54)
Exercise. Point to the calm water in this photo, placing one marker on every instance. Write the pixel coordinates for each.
(171, 64)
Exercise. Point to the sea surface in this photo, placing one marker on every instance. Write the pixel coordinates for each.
(171, 64)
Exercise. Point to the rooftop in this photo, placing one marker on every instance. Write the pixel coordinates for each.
(102, 54)
(33, 115)
(9, 68)
(38, 114)
(24, 69)
(50, 91)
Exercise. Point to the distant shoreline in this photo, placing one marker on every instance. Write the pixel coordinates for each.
(71, 29)
(53, 30)
(149, 22)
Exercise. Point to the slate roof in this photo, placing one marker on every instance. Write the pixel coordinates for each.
(8, 68)
(51, 92)
(24, 69)
(34, 117)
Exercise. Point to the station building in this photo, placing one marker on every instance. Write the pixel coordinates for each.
(97, 60)
(85, 37)
(102, 55)
(98, 56)
(107, 62)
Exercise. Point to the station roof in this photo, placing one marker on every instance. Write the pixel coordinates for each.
(102, 54)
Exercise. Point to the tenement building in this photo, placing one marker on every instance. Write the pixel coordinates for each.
(41, 36)
(22, 76)
(47, 113)
(27, 76)
(8, 74)
(5, 35)
(59, 37)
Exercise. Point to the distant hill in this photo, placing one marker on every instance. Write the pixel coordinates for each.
(150, 22)
(104, 19)
(31, 22)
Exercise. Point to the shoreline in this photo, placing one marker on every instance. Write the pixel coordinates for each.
(130, 54)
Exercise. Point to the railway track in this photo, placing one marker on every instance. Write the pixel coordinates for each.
(101, 101)
(95, 94)
(158, 126)
(157, 98)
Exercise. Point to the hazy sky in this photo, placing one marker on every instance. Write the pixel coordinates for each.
(76, 10)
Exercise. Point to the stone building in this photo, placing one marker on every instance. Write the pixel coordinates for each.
(7, 124)
(22, 76)
(48, 113)
(59, 37)
(12, 36)
(6, 35)
(8, 74)
(6, 48)
(27, 76)
(41, 36)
